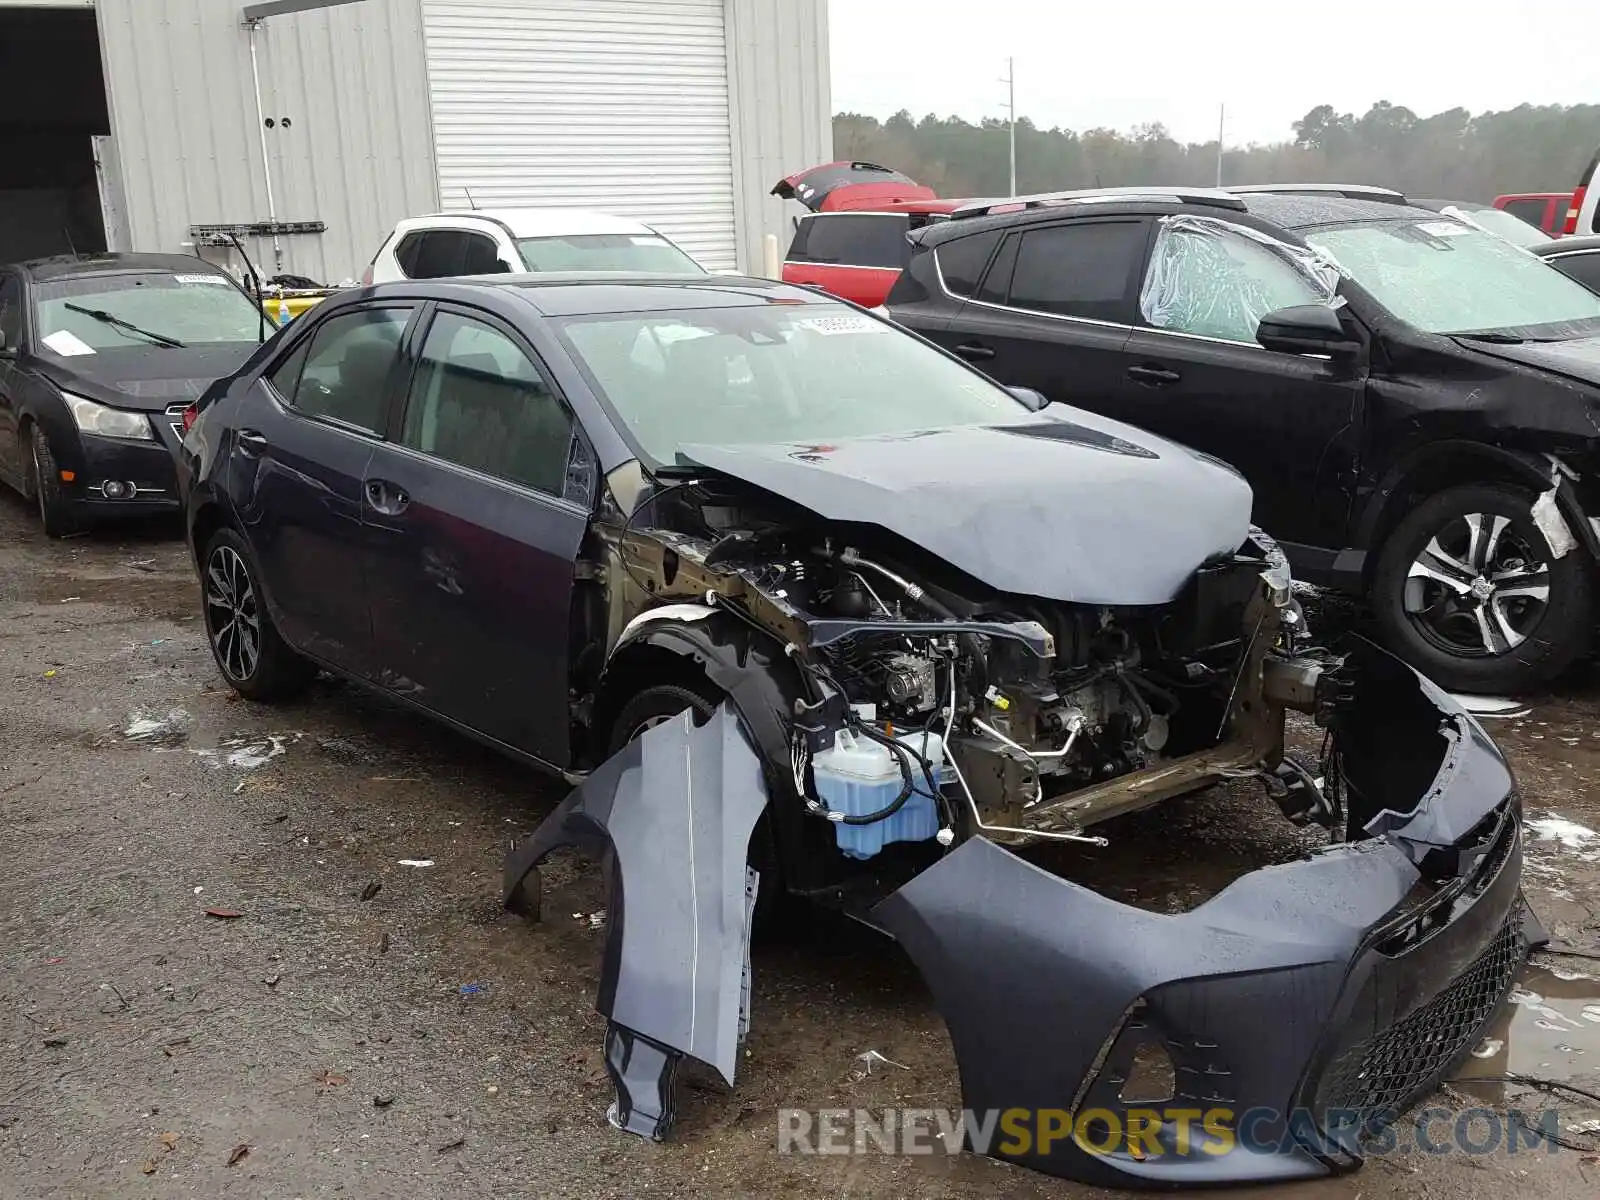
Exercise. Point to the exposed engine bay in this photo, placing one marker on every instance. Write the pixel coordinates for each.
(937, 708)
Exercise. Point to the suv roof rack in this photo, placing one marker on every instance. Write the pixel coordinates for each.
(1346, 191)
(1176, 195)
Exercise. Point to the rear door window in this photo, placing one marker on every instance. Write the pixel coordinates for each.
(11, 311)
(1531, 211)
(1585, 268)
(348, 368)
(961, 262)
(433, 253)
(853, 239)
(1085, 269)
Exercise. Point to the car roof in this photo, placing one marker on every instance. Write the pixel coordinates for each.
(67, 266)
(542, 222)
(1567, 245)
(1303, 210)
(593, 293)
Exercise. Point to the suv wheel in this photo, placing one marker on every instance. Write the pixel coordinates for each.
(54, 512)
(253, 658)
(1469, 591)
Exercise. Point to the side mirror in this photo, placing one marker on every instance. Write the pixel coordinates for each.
(1306, 329)
(1033, 400)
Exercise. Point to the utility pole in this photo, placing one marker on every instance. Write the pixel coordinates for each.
(1011, 107)
(1222, 118)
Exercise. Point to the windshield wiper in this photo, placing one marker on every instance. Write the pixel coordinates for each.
(159, 339)
(1499, 339)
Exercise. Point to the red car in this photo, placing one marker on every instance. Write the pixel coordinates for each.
(853, 241)
(1542, 210)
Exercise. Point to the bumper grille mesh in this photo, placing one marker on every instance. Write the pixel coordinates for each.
(1377, 1077)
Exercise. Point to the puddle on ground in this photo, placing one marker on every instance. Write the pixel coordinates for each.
(1550, 1030)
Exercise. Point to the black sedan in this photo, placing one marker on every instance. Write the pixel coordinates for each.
(99, 356)
(811, 607)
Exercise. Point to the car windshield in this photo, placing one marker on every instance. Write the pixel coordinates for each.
(1442, 276)
(790, 372)
(646, 253)
(94, 313)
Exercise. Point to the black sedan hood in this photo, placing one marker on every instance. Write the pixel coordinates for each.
(1062, 505)
(145, 380)
(1576, 358)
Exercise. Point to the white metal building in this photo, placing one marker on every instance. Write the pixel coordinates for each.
(147, 118)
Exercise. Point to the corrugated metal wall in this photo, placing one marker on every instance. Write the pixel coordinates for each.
(781, 108)
(357, 153)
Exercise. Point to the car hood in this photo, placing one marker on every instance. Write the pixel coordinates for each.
(1062, 504)
(1576, 358)
(145, 380)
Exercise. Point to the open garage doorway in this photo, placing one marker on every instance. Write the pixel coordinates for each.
(54, 107)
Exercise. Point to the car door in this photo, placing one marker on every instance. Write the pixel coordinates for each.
(11, 300)
(475, 510)
(297, 466)
(1286, 421)
(1054, 309)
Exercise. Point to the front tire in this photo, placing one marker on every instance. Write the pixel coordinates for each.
(55, 510)
(254, 660)
(1470, 591)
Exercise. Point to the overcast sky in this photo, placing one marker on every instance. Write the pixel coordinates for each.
(1082, 65)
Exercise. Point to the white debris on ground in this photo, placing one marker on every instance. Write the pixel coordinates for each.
(1497, 707)
(872, 1057)
(249, 754)
(142, 727)
(1489, 1048)
(416, 862)
(1568, 835)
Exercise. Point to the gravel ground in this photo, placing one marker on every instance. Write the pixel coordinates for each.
(354, 1026)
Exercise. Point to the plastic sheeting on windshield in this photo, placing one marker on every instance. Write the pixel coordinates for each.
(1218, 279)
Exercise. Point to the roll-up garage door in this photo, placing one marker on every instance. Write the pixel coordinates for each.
(616, 105)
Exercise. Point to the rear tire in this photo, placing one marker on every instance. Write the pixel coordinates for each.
(254, 660)
(55, 510)
(1469, 591)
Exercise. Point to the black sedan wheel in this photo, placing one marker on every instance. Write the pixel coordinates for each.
(54, 512)
(1470, 590)
(252, 657)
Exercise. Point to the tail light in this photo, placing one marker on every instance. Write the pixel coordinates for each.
(189, 415)
(1571, 225)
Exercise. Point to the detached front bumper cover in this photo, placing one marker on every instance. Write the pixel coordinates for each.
(1301, 1007)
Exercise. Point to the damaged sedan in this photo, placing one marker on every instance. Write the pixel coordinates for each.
(803, 606)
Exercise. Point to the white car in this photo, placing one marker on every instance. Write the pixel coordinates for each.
(526, 240)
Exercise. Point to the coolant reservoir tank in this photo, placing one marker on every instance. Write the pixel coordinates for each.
(858, 776)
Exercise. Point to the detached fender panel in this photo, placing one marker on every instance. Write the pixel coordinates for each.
(677, 808)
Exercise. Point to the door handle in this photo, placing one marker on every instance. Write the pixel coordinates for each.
(386, 498)
(251, 442)
(974, 352)
(1153, 376)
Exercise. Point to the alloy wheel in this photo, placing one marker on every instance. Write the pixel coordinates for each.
(1478, 588)
(232, 614)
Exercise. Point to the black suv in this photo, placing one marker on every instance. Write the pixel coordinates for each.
(1415, 402)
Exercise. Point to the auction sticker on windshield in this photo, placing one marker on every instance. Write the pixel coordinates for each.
(67, 344)
(829, 326)
(216, 280)
(1444, 228)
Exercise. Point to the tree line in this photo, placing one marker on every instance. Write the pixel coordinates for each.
(1451, 155)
